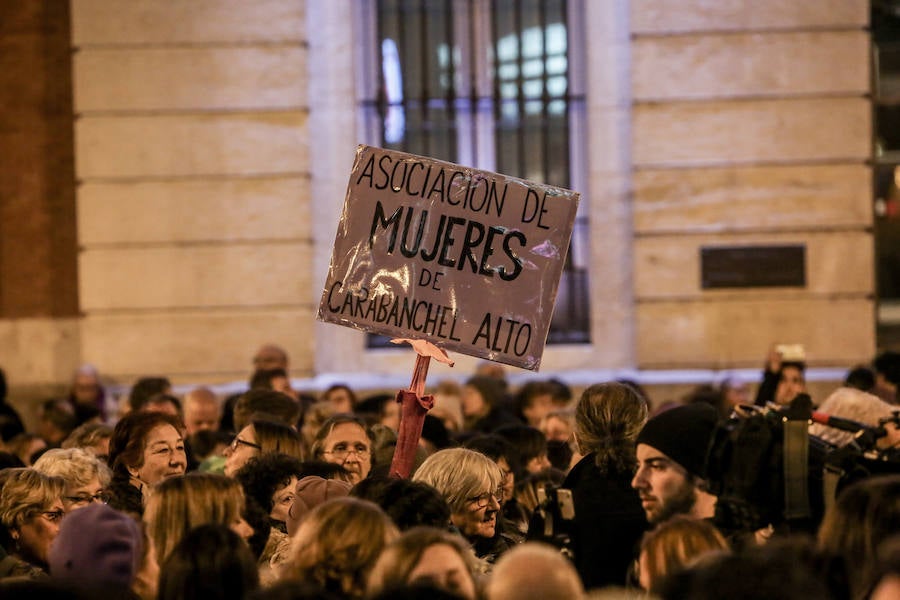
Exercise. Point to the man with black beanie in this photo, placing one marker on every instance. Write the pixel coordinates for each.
(671, 450)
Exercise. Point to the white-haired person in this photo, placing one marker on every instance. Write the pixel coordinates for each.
(86, 476)
(859, 406)
(471, 483)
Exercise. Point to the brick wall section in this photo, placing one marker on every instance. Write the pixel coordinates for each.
(751, 126)
(37, 200)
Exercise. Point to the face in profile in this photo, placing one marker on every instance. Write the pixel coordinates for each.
(243, 447)
(348, 445)
(664, 486)
(478, 518)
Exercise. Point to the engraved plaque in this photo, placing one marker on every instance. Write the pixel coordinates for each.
(752, 266)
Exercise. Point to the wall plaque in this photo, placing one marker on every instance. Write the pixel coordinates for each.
(752, 266)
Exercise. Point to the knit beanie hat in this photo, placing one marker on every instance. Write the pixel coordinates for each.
(683, 434)
(311, 492)
(97, 546)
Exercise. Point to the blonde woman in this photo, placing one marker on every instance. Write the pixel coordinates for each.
(470, 483)
(179, 504)
(31, 509)
(426, 554)
(337, 546)
(85, 475)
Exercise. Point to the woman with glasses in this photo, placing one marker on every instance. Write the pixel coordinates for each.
(31, 509)
(146, 448)
(471, 483)
(345, 440)
(86, 477)
(261, 437)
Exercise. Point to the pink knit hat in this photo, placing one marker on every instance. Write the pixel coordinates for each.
(311, 492)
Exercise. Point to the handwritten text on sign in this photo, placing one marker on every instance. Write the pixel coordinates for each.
(469, 260)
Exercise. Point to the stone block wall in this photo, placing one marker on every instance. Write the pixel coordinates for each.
(751, 126)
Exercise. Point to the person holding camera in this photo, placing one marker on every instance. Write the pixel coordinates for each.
(784, 376)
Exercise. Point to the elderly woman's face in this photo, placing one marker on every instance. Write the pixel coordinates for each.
(35, 535)
(478, 517)
(79, 497)
(164, 456)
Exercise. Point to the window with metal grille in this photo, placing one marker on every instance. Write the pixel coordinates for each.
(491, 84)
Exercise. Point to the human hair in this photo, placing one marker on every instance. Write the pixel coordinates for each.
(527, 442)
(538, 568)
(864, 515)
(318, 443)
(608, 418)
(126, 447)
(494, 447)
(459, 474)
(262, 378)
(265, 474)
(179, 504)
(144, 388)
(25, 492)
(161, 399)
(277, 437)
(337, 545)
(408, 503)
(87, 435)
(77, 467)
(492, 390)
(675, 544)
(853, 404)
(313, 419)
(265, 404)
(400, 557)
(326, 395)
(60, 414)
(210, 562)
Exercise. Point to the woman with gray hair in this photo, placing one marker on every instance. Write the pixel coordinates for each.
(609, 520)
(85, 475)
(859, 406)
(31, 509)
(470, 482)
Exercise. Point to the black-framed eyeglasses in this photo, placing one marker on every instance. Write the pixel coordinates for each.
(100, 497)
(484, 500)
(239, 442)
(54, 516)
(343, 453)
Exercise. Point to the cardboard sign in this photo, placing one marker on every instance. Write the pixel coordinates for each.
(469, 260)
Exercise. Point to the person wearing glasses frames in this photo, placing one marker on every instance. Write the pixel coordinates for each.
(471, 484)
(31, 509)
(345, 440)
(86, 477)
(261, 437)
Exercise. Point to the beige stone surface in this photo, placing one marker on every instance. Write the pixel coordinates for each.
(194, 276)
(191, 210)
(750, 64)
(729, 334)
(39, 351)
(196, 346)
(673, 16)
(191, 145)
(669, 266)
(736, 198)
(142, 22)
(190, 78)
(751, 131)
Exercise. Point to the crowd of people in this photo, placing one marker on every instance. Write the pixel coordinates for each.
(530, 492)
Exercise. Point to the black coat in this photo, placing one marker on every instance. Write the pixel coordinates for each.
(609, 523)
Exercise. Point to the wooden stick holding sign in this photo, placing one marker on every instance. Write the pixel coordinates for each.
(414, 405)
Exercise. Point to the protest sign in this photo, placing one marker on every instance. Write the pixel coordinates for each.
(467, 259)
